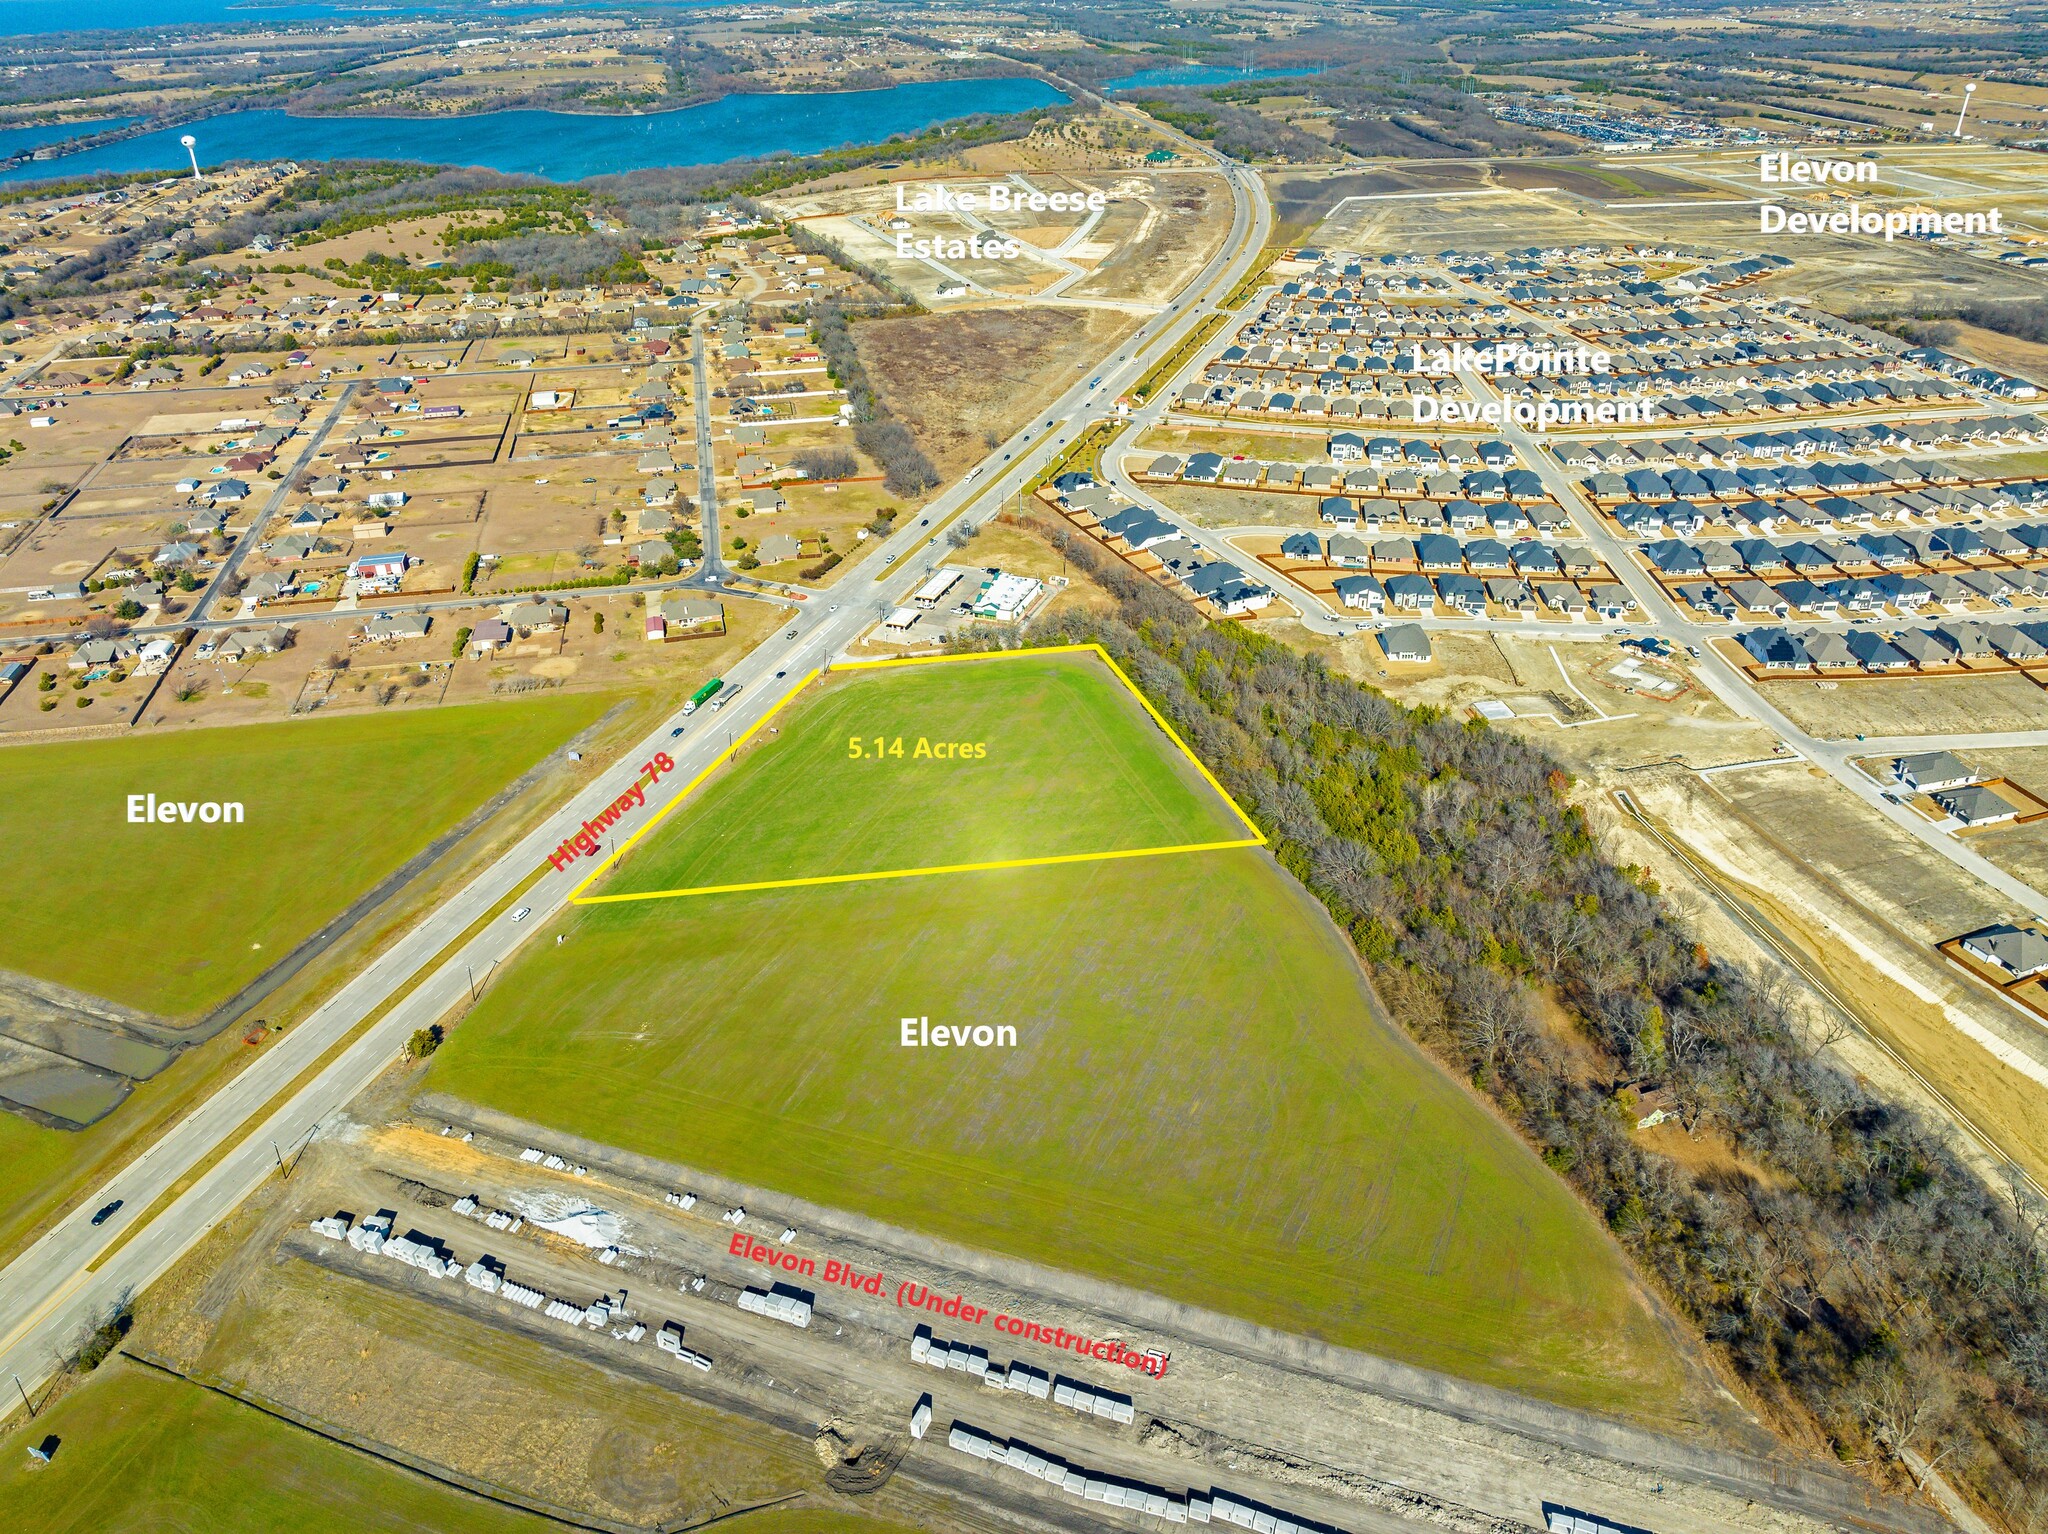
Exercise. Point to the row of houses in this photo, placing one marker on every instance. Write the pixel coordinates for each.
(1226, 588)
(1873, 490)
(1943, 646)
(1800, 444)
(1701, 393)
(1937, 505)
(1253, 474)
(1473, 596)
(1435, 552)
(1908, 596)
(1229, 399)
(2009, 551)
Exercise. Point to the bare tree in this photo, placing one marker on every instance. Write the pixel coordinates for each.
(1902, 1403)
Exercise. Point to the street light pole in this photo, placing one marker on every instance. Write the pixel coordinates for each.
(25, 1401)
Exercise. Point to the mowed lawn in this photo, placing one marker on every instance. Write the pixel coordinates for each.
(142, 1452)
(174, 919)
(1202, 1101)
(1058, 758)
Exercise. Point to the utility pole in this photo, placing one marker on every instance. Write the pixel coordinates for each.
(280, 1159)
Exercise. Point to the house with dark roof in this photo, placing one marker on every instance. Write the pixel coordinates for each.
(1407, 643)
(1775, 649)
(2019, 951)
(1975, 805)
(1928, 771)
(1362, 591)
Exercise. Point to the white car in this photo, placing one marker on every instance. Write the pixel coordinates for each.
(522, 913)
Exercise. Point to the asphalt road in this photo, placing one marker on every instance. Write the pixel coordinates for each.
(271, 507)
(232, 1142)
(1657, 615)
(77, 1271)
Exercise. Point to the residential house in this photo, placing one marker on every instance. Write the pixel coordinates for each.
(1406, 643)
(490, 634)
(1362, 591)
(537, 617)
(678, 615)
(393, 628)
(2019, 951)
(379, 574)
(1929, 771)
(1975, 805)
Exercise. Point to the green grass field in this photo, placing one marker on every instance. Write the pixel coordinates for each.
(1203, 1100)
(141, 1451)
(175, 919)
(1068, 762)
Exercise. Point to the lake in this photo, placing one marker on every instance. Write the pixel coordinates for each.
(15, 140)
(567, 146)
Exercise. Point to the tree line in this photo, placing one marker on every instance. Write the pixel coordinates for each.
(876, 431)
(1839, 1256)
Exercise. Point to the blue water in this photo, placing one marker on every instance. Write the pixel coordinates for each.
(1199, 75)
(15, 140)
(565, 146)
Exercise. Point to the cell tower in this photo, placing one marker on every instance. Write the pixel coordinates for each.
(191, 152)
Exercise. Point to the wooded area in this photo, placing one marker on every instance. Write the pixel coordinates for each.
(1834, 1251)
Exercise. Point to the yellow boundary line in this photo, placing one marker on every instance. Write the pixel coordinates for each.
(1257, 838)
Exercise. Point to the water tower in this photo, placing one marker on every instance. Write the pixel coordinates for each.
(191, 152)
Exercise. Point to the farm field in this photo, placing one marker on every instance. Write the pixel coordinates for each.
(1203, 1098)
(144, 1452)
(540, 1426)
(1027, 755)
(173, 919)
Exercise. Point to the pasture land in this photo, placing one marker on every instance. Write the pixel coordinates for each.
(140, 1451)
(1203, 1098)
(174, 919)
(976, 760)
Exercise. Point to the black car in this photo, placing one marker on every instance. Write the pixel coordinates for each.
(107, 1213)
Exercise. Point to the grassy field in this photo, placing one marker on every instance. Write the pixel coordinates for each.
(141, 1451)
(1070, 763)
(537, 1425)
(1203, 1099)
(175, 919)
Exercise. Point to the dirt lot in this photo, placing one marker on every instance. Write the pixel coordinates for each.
(1601, 183)
(1862, 901)
(2021, 851)
(1207, 506)
(1912, 706)
(2007, 353)
(1164, 228)
(960, 381)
